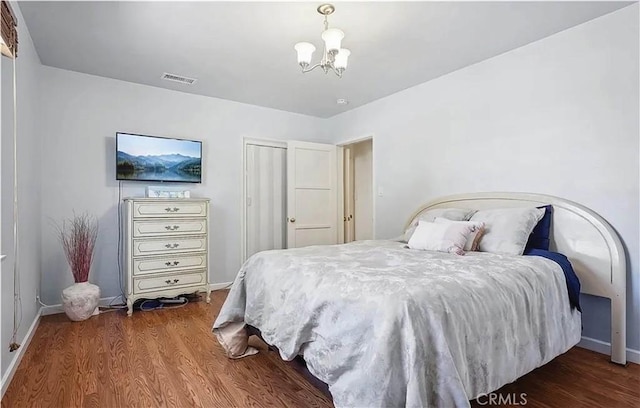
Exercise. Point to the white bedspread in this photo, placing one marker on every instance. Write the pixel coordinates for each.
(386, 326)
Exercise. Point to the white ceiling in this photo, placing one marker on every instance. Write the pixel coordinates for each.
(244, 51)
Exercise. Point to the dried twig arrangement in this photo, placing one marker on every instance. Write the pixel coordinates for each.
(78, 237)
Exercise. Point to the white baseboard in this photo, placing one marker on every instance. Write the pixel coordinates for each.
(54, 309)
(605, 348)
(218, 286)
(17, 358)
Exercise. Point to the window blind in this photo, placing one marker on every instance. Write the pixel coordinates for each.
(8, 31)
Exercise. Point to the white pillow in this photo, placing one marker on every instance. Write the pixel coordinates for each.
(430, 236)
(507, 229)
(477, 231)
(453, 214)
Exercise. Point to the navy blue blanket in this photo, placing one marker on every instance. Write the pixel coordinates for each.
(573, 283)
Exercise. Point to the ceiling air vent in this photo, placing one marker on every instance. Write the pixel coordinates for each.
(177, 78)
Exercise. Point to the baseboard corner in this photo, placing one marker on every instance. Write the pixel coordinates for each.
(17, 358)
(219, 286)
(604, 347)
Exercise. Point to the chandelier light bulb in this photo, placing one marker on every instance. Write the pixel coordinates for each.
(305, 52)
(341, 58)
(332, 38)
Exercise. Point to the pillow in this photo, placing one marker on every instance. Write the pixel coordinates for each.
(450, 238)
(477, 231)
(507, 229)
(453, 214)
(539, 238)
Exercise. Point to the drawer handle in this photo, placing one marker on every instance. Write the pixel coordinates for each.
(176, 280)
(174, 209)
(171, 227)
(169, 282)
(174, 263)
(172, 246)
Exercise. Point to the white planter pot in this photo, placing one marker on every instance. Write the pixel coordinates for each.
(80, 300)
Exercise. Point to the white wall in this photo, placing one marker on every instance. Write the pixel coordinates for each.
(27, 68)
(558, 116)
(80, 115)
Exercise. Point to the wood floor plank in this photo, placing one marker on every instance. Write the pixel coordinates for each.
(206, 375)
(170, 358)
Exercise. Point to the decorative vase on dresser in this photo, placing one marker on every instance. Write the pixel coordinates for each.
(166, 248)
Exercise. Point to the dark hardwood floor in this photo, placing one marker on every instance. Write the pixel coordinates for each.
(170, 358)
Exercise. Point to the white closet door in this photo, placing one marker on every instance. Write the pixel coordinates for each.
(312, 199)
(266, 198)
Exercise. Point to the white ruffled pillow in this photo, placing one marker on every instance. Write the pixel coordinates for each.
(507, 229)
(453, 214)
(450, 238)
(477, 232)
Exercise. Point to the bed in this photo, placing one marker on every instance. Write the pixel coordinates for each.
(385, 326)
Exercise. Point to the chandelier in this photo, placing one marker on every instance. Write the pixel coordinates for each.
(334, 58)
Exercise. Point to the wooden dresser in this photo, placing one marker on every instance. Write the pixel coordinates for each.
(166, 248)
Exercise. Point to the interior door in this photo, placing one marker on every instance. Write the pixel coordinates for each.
(311, 194)
(349, 196)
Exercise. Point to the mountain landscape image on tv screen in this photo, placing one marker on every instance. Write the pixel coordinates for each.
(147, 158)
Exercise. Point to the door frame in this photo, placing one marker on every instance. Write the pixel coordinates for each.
(243, 185)
(374, 187)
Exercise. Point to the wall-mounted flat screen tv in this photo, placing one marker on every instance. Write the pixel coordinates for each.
(152, 158)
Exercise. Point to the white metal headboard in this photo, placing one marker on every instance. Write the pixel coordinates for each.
(590, 243)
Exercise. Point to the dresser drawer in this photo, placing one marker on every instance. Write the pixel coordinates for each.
(169, 245)
(170, 281)
(142, 266)
(169, 227)
(170, 209)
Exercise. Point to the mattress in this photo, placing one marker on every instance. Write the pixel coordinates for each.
(384, 325)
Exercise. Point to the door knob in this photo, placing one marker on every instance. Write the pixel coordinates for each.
(292, 220)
